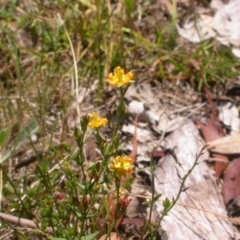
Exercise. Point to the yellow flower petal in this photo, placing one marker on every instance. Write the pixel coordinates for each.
(119, 78)
(96, 121)
(122, 165)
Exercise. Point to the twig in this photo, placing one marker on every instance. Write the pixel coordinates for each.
(133, 154)
(23, 222)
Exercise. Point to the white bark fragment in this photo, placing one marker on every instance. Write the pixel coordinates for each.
(199, 216)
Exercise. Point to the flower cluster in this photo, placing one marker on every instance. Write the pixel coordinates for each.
(119, 78)
(122, 165)
(96, 121)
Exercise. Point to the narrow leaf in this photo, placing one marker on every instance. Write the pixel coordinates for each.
(3, 136)
(30, 129)
(91, 236)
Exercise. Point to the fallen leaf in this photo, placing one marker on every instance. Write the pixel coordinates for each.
(231, 181)
(226, 145)
(211, 132)
(166, 124)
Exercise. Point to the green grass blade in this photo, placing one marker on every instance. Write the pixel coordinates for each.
(30, 128)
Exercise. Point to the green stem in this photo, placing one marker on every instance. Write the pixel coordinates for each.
(153, 192)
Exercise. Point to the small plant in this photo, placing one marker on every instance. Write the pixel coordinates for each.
(87, 198)
(92, 198)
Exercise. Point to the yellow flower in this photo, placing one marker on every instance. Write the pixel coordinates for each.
(122, 165)
(118, 78)
(97, 122)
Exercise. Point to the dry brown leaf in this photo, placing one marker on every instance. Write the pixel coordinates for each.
(211, 132)
(226, 145)
(231, 181)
